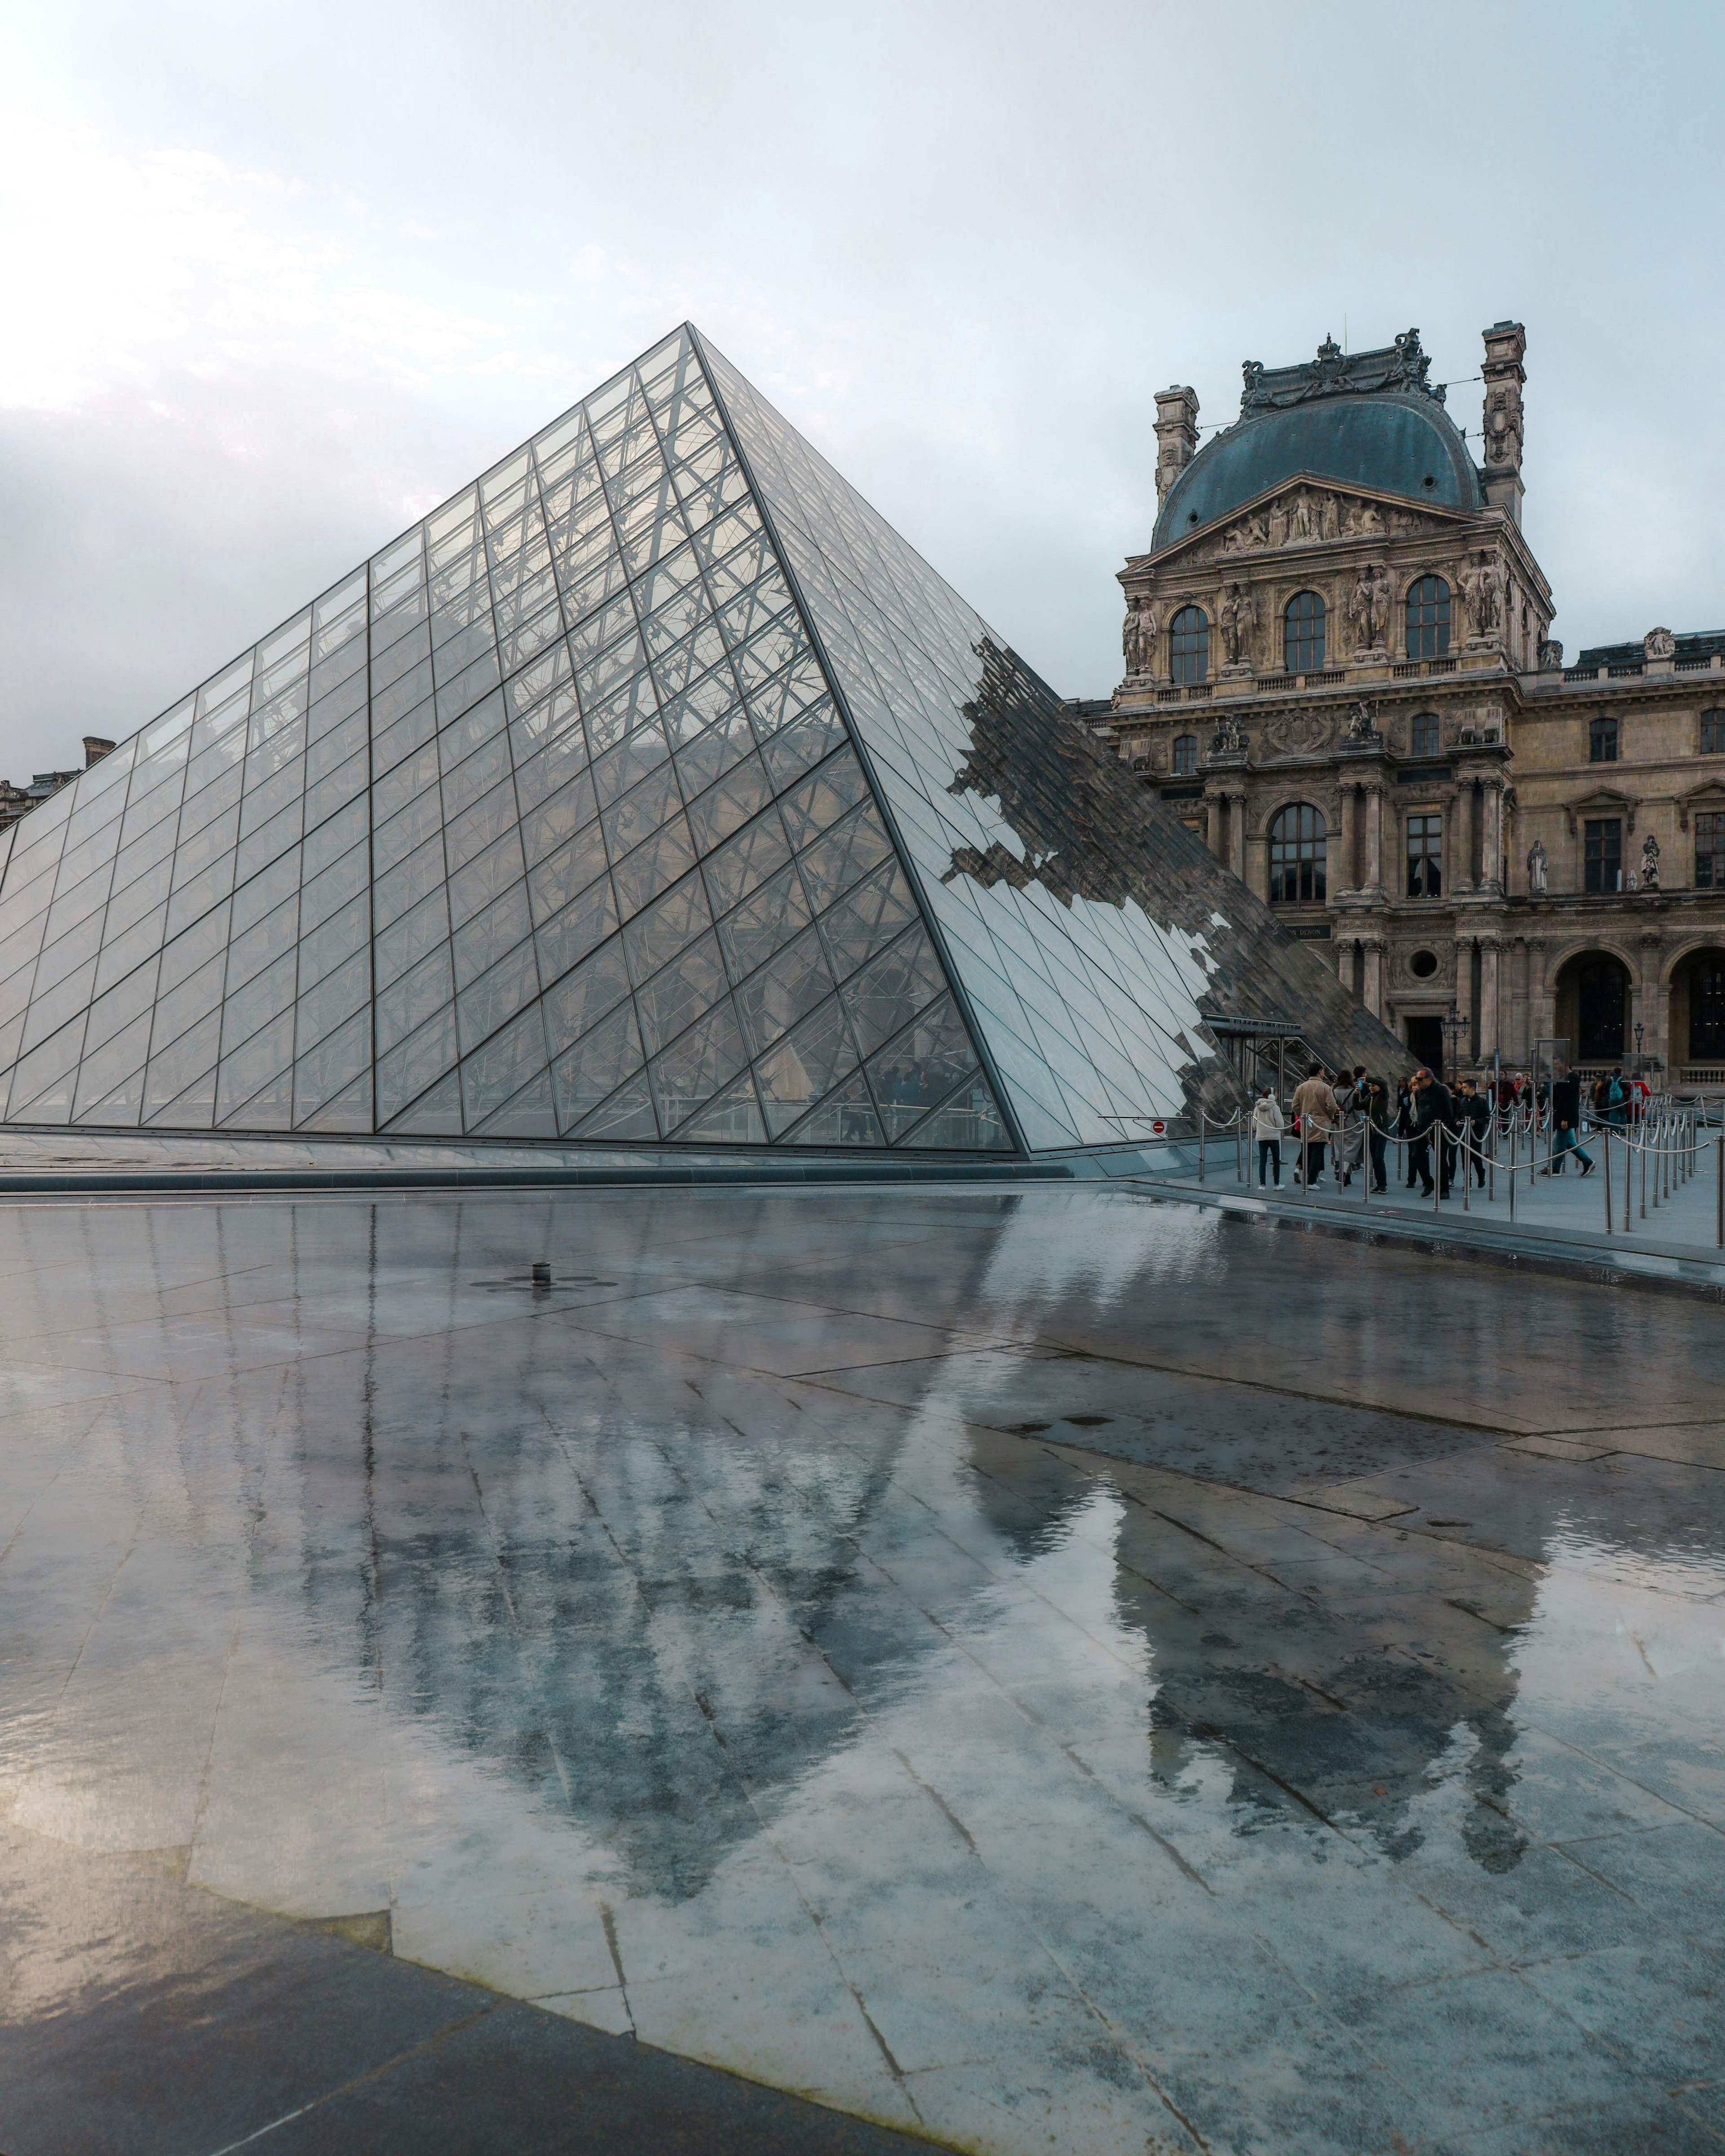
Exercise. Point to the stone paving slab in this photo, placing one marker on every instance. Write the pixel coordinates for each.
(1027, 1669)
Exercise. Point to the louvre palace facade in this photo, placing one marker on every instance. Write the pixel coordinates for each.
(1339, 672)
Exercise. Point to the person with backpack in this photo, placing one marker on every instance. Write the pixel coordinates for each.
(1373, 1097)
(1616, 1099)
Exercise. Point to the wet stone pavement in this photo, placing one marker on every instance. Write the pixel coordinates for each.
(1032, 1670)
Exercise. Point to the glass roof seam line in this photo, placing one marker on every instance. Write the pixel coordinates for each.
(841, 702)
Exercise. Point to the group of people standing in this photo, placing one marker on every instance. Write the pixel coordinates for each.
(1347, 1116)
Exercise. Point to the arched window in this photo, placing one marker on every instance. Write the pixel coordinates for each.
(1428, 619)
(1297, 857)
(1425, 734)
(1712, 733)
(1185, 755)
(1189, 643)
(1303, 635)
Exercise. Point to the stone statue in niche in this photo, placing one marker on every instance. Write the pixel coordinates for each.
(1650, 863)
(1538, 865)
(1482, 592)
(1367, 607)
(1238, 616)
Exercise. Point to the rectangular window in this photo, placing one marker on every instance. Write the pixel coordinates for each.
(1712, 733)
(1185, 756)
(1710, 852)
(1425, 856)
(1602, 741)
(1601, 854)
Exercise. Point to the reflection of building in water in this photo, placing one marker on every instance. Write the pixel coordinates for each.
(1344, 1705)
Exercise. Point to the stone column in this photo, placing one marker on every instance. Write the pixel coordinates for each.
(1213, 834)
(1651, 1001)
(1374, 974)
(1236, 834)
(1487, 1043)
(1347, 880)
(1465, 1040)
(1344, 960)
(1458, 834)
(1374, 838)
(1542, 1004)
(1492, 841)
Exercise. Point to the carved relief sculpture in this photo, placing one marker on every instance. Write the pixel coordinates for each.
(1659, 644)
(1229, 739)
(1363, 726)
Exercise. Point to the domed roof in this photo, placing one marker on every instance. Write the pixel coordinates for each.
(1368, 419)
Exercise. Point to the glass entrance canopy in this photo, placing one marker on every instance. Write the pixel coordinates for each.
(652, 790)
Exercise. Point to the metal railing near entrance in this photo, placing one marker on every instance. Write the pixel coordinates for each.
(1664, 1145)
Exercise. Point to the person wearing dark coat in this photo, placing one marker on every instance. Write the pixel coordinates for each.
(1433, 1117)
(1473, 1116)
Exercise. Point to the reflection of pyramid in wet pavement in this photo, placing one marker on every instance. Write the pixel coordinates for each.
(623, 799)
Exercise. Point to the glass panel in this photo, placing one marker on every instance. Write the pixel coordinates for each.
(970, 1123)
(783, 990)
(470, 687)
(659, 933)
(528, 1114)
(263, 943)
(110, 1079)
(335, 999)
(757, 852)
(332, 1065)
(333, 793)
(715, 750)
(350, 1110)
(333, 747)
(926, 1064)
(258, 1078)
(846, 1117)
(176, 1071)
(409, 940)
(567, 937)
(421, 873)
(889, 992)
(261, 1000)
(591, 1070)
(475, 776)
(392, 745)
(581, 998)
(567, 812)
(651, 867)
(641, 811)
(482, 941)
(405, 832)
(280, 880)
(111, 1013)
(832, 864)
(334, 943)
(727, 806)
(506, 1062)
(627, 1114)
(539, 777)
(437, 1112)
(733, 1117)
(482, 825)
(43, 1080)
(496, 996)
(335, 839)
(420, 994)
(824, 797)
(408, 1070)
(866, 919)
(677, 995)
(268, 845)
(53, 1008)
(692, 1070)
(804, 1066)
(765, 920)
(486, 878)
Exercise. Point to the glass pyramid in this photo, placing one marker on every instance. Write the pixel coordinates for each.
(652, 789)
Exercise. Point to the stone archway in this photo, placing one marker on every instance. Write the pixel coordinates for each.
(1697, 1006)
(1593, 1005)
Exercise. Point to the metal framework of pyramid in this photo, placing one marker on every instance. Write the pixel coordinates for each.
(653, 789)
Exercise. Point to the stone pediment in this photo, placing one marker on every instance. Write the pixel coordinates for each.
(1307, 511)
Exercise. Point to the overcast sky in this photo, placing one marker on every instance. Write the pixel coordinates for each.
(277, 279)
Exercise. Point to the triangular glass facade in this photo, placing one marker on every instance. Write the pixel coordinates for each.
(578, 812)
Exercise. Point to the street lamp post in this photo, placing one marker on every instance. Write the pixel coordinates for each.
(1454, 1026)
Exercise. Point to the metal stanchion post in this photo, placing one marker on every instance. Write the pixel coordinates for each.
(1607, 1128)
(1463, 1161)
(1239, 1146)
(1628, 1177)
(1719, 1189)
(1200, 1145)
(1641, 1149)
